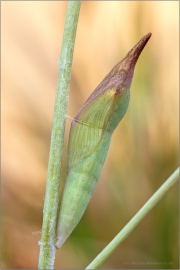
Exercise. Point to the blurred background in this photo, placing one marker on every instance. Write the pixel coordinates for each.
(144, 147)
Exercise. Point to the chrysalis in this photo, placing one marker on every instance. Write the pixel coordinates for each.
(89, 139)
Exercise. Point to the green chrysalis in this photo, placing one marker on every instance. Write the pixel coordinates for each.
(89, 139)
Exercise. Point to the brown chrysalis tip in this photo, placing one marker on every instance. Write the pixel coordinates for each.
(124, 69)
(133, 55)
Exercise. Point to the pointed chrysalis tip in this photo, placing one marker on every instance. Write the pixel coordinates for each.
(143, 41)
(134, 53)
(148, 35)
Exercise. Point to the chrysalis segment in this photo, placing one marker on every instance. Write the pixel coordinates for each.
(81, 181)
(89, 139)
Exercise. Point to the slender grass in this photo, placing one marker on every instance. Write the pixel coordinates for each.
(134, 221)
(47, 250)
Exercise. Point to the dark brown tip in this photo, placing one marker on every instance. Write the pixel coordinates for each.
(125, 68)
(135, 52)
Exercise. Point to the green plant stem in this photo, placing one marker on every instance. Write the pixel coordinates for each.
(47, 250)
(134, 221)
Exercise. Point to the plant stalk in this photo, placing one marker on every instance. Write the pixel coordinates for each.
(134, 221)
(47, 250)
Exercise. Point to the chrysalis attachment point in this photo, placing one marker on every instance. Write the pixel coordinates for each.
(67, 116)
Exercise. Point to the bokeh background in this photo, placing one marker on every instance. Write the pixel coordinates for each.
(144, 147)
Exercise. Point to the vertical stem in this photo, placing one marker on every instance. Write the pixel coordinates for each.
(47, 250)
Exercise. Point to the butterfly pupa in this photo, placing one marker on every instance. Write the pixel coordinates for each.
(89, 139)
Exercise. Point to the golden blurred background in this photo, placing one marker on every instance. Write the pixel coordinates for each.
(144, 147)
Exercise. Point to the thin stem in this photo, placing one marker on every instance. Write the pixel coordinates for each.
(47, 250)
(134, 221)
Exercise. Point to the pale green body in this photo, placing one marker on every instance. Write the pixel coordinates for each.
(90, 137)
(87, 150)
(79, 187)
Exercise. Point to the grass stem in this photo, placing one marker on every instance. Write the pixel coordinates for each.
(47, 250)
(134, 221)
